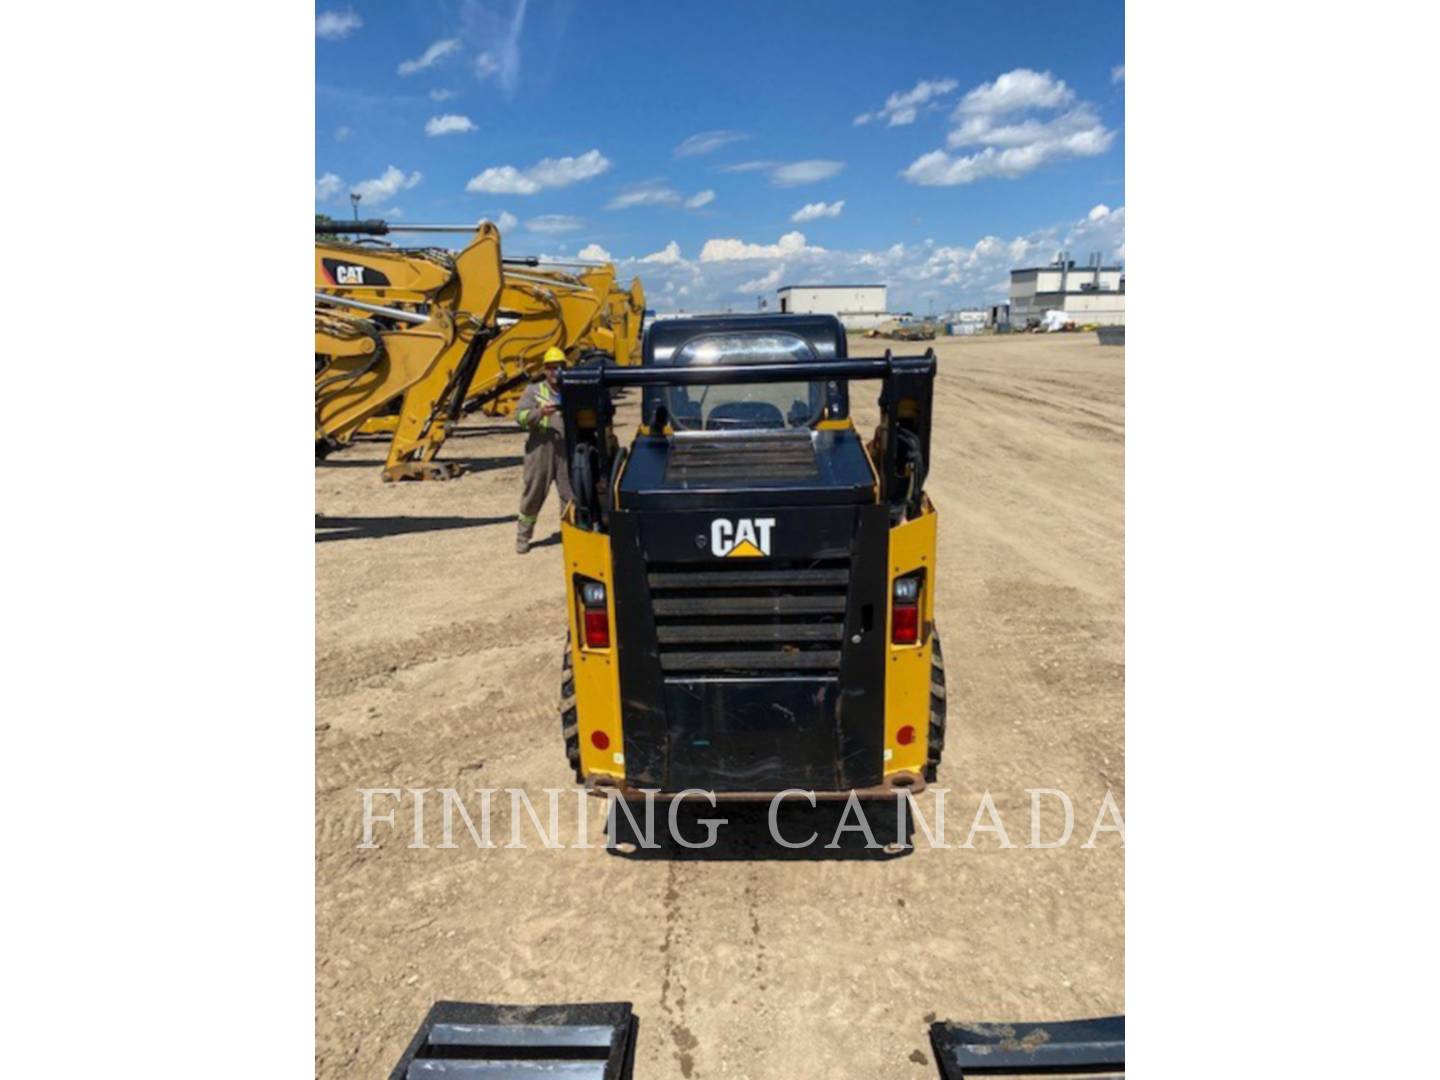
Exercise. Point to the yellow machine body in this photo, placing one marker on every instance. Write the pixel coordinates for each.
(466, 287)
(909, 677)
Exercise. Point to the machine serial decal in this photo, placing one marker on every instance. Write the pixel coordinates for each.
(742, 538)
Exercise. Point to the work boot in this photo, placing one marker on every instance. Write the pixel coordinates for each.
(523, 532)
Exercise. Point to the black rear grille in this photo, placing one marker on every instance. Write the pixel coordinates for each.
(724, 458)
(731, 618)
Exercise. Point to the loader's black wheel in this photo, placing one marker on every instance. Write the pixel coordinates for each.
(937, 708)
(569, 718)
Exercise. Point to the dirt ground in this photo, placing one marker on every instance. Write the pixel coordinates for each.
(438, 662)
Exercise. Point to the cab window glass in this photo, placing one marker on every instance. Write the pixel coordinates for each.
(744, 406)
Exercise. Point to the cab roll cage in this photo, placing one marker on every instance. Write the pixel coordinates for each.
(902, 440)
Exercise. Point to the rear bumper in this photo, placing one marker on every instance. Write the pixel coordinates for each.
(893, 785)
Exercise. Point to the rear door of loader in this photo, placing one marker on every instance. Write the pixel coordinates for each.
(752, 672)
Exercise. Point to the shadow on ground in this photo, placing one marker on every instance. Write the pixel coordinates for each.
(371, 528)
(484, 432)
(746, 833)
(469, 464)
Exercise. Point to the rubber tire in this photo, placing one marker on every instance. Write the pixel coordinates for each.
(569, 715)
(936, 745)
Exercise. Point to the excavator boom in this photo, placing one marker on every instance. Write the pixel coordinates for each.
(503, 315)
(464, 288)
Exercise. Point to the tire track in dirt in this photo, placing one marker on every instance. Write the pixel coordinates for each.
(349, 667)
(673, 991)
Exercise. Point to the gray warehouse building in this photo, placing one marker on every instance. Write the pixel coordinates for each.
(1087, 294)
(859, 307)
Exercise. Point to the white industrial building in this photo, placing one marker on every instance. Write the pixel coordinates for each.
(1086, 294)
(859, 307)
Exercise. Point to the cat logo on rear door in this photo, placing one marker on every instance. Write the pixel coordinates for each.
(744, 538)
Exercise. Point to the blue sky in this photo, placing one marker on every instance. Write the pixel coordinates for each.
(719, 150)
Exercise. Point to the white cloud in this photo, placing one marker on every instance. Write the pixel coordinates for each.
(503, 180)
(551, 224)
(804, 172)
(449, 124)
(327, 187)
(789, 173)
(334, 25)
(562, 172)
(1011, 147)
(1117, 73)
(1099, 213)
(441, 95)
(938, 168)
(902, 108)
(951, 271)
(549, 173)
(729, 250)
(650, 193)
(501, 59)
(765, 283)
(978, 130)
(593, 251)
(816, 210)
(506, 221)
(658, 193)
(707, 142)
(669, 255)
(1097, 232)
(430, 57)
(390, 183)
(1014, 91)
(342, 133)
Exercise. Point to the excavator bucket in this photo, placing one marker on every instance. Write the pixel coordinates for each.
(463, 1041)
(1073, 1047)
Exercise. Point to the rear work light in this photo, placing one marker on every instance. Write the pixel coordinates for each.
(594, 619)
(905, 614)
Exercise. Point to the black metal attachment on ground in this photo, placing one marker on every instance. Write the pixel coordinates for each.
(461, 1040)
(1089, 1047)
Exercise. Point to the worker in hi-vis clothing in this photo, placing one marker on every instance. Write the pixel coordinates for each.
(545, 459)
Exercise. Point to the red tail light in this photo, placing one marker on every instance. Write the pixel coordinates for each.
(597, 628)
(594, 619)
(905, 629)
(905, 617)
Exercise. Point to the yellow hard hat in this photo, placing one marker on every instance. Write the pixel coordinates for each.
(554, 355)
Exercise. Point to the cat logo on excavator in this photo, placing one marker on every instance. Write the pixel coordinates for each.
(743, 538)
(350, 273)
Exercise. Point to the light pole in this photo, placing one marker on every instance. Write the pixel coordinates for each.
(355, 205)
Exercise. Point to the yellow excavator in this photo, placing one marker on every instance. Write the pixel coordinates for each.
(506, 313)
(599, 320)
(362, 363)
(624, 324)
(364, 295)
(576, 302)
